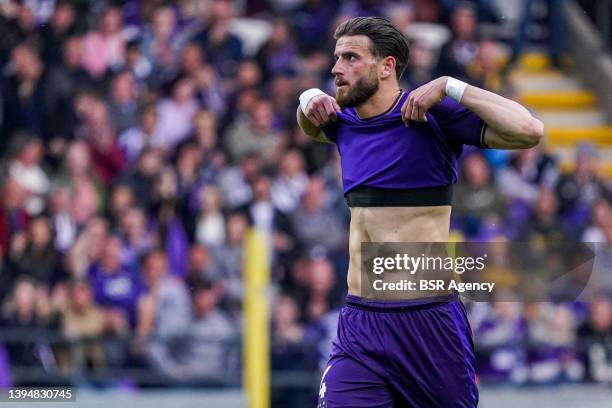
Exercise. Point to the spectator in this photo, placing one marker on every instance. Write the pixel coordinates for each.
(544, 224)
(120, 201)
(99, 133)
(527, 171)
(420, 66)
(105, 48)
(202, 267)
(289, 185)
(138, 234)
(65, 79)
(556, 26)
(255, 135)
(26, 169)
(210, 90)
(578, 190)
(486, 69)
(477, 203)
(462, 49)
(312, 20)
(24, 95)
(235, 181)
(601, 220)
(287, 333)
(60, 28)
(210, 335)
(230, 258)
(14, 214)
(176, 113)
(135, 139)
(140, 67)
(62, 220)
(322, 296)
(164, 313)
(272, 223)
(115, 286)
(142, 178)
(188, 163)
(36, 256)
(551, 342)
(314, 225)
(160, 42)
(223, 48)
(596, 333)
(88, 248)
(501, 334)
(123, 104)
(26, 314)
(83, 322)
(282, 88)
(278, 55)
(210, 229)
(205, 136)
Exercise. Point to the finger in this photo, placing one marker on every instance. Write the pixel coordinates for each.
(316, 112)
(403, 111)
(323, 113)
(329, 109)
(407, 110)
(337, 107)
(414, 111)
(420, 109)
(313, 118)
(423, 115)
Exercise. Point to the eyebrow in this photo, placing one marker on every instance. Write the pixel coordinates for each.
(345, 53)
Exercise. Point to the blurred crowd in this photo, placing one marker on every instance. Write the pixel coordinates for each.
(141, 140)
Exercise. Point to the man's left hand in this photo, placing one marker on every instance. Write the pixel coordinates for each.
(422, 99)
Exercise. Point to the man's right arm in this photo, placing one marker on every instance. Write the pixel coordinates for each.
(316, 110)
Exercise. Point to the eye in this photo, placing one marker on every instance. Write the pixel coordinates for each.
(352, 58)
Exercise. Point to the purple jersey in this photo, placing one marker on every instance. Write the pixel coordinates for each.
(381, 152)
(120, 289)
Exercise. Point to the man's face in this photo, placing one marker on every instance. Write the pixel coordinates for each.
(355, 71)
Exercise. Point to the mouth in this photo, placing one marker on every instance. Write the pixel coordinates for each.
(340, 84)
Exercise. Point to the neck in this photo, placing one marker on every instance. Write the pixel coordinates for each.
(380, 101)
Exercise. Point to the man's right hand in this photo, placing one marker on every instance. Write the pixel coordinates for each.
(321, 110)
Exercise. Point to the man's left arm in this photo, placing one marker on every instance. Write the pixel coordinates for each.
(509, 124)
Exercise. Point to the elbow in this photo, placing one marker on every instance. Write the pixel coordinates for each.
(533, 133)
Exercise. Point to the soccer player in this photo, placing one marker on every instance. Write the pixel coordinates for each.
(398, 154)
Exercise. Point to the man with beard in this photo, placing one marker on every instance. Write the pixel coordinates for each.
(398, 154)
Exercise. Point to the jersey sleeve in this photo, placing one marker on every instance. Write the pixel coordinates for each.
(459, 124)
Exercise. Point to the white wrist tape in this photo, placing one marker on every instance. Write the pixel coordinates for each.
(455, 88)
(307, 95)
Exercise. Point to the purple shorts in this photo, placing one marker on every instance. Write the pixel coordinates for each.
(412, 354)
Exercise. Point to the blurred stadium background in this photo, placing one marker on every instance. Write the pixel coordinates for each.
(168, 235)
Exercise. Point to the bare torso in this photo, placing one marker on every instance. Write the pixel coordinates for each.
(393, 224)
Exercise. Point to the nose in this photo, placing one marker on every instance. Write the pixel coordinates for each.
(336, 69)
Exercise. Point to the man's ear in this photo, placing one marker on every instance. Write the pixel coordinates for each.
(387, 67)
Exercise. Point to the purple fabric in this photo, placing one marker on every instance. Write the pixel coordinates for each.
(381, 152)
(5, 369)
(120, 289)
(177, 247)
(578, 216)
(419, 356)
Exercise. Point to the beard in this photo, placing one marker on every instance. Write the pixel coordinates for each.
(357, 94)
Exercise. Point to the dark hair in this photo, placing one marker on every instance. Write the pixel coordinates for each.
(386, 39)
